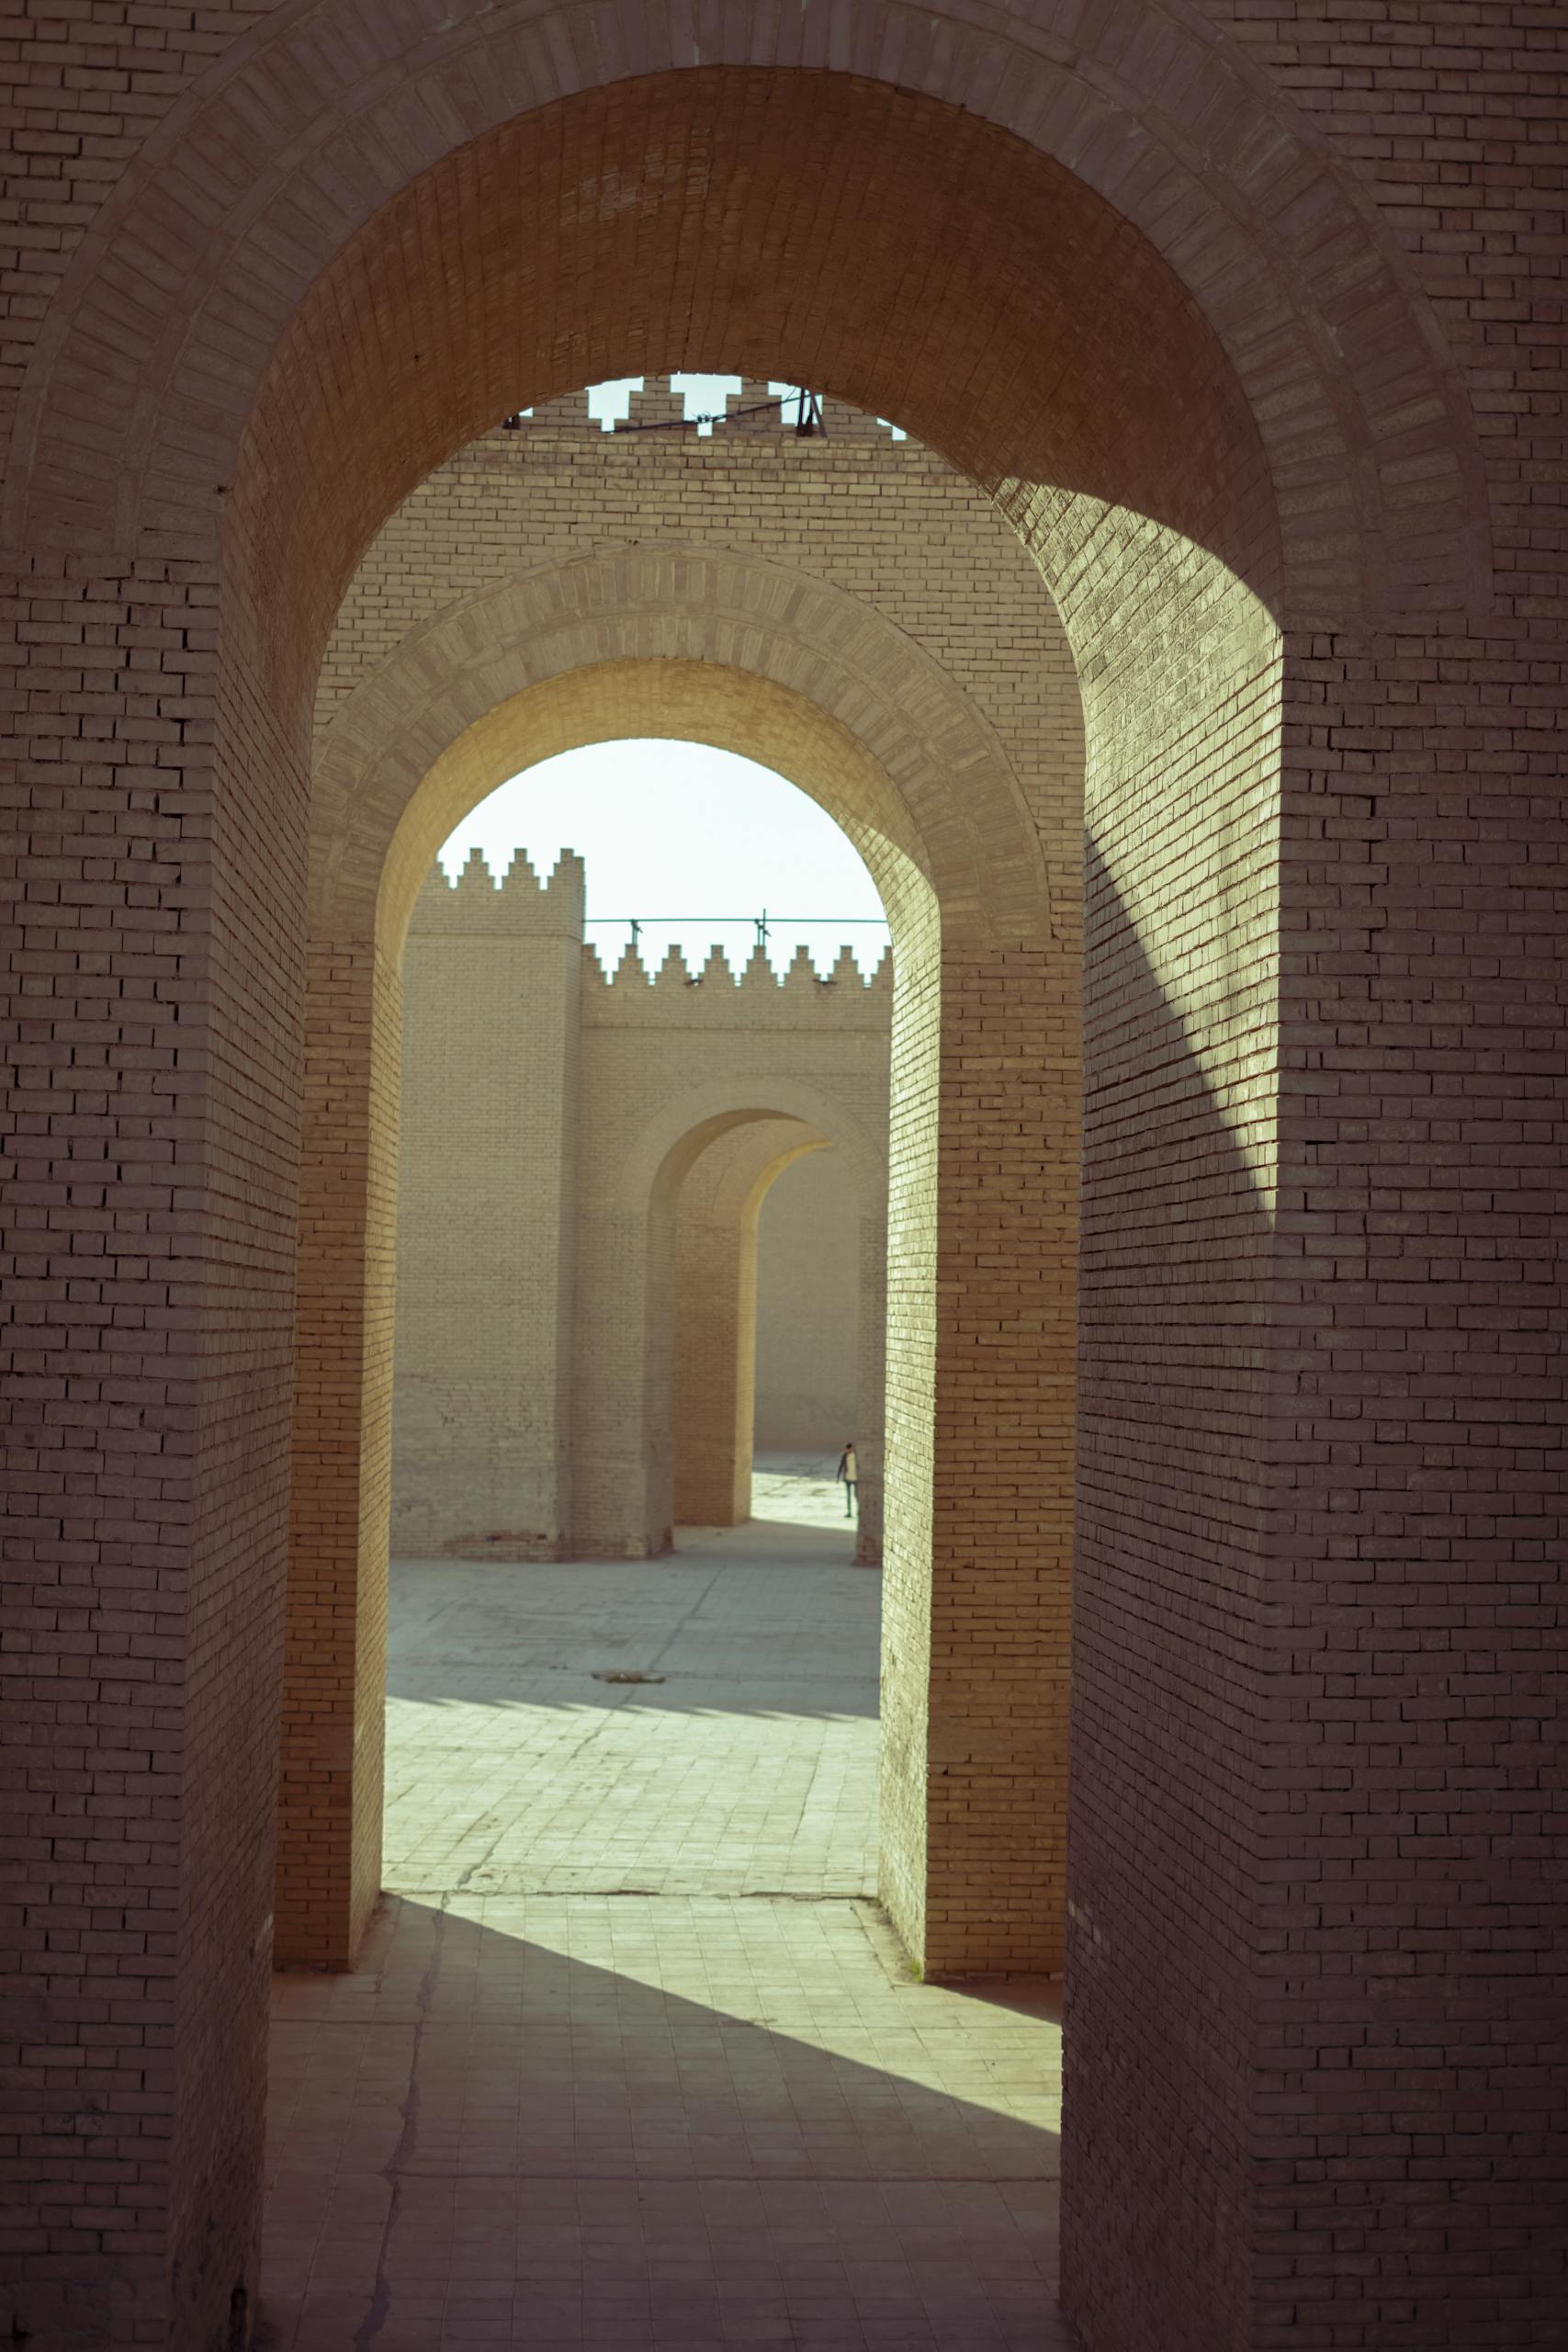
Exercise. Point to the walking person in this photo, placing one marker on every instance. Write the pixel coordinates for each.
(850, 1475)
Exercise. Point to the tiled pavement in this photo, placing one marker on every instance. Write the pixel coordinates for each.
(549, 2111)
(750, 1768)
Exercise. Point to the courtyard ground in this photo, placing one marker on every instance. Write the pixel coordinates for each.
(632, 2058)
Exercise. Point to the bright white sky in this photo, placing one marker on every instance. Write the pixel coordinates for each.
(681, 830)
(704, 396)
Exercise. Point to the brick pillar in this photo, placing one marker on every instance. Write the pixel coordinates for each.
(151, 964)
(1408, 1909)
(330, 1797)
(980, 1437)
(1313, 1999)
(623, 1488)
(822, 1324)
(487, 1235)
(870, 1380)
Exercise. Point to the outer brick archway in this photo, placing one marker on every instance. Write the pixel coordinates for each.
(1215, 458)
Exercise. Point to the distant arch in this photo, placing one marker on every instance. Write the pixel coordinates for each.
(713, 1360)
(660, 1162)
(662, 1152)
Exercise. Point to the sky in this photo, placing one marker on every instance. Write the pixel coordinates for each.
(680, 834)
(704, 396)
(669, 830)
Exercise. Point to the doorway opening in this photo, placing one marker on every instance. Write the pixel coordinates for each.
(591, 1702)
(597, 1100)
(595, 1105)
(630, 1831)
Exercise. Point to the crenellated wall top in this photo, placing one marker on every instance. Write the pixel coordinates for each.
(522, 903)
(657, 410)
(716, 996)
(520, 899)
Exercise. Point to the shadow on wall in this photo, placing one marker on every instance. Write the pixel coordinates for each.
(1175, 1246)
(476, 2126)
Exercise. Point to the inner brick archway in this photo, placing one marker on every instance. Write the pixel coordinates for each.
(1180, 542)
(612, 646)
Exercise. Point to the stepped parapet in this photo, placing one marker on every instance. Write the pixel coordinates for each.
(519, 900)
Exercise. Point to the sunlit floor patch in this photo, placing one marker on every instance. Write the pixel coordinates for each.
(749, 1768)
(801, 1489)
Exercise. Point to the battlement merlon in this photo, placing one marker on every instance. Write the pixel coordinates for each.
(519, 904)
(717, 996)
(752, 411)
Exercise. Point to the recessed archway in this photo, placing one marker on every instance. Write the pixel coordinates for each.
(703, 1165)
(729, 648)
(713, 1381)
(723, 647)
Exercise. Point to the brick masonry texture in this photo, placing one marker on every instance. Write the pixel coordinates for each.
(809, 1324)
(582, 1162)
(1248, 315)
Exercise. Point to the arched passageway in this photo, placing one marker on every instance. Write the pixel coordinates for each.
(735, 650)
(719, 1332)
(693, 1184)
(1113, 289)
(535, 1406)
(714, 1378)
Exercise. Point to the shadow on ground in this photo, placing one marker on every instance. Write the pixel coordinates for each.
(747, 2131)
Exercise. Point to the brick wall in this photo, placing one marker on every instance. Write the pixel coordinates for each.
(487, 1235)
(1282, 282)
(667, 1070)
(554, 1119)
(808, 1322)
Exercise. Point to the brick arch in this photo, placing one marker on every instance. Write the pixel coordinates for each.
(660, 1163)
(136, 397)
(664, 640)
(973, 253)
(661, 1155)
(713, 1376)
(676, 640)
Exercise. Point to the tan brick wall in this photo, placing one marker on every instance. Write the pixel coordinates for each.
(1278, 284)
(582, 1161)
(487, 1235)
(667, 1070)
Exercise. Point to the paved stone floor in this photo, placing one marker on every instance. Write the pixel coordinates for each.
(631, 2058)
